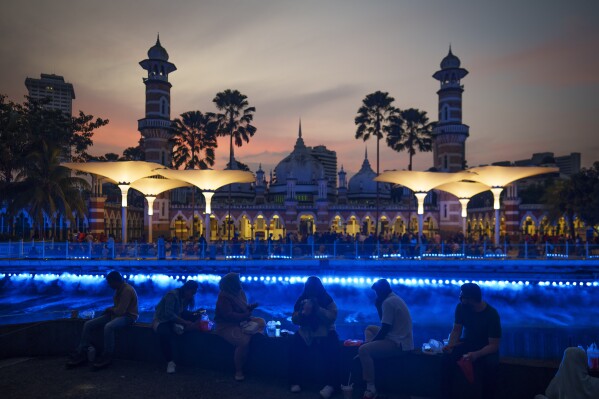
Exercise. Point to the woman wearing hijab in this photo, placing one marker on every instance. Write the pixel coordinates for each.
(572, 380)
(315, 313)
(234, 321)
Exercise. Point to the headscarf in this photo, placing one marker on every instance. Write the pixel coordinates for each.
(230, 285)
(572, 380)
(313, 289)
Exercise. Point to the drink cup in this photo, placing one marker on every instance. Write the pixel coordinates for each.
(348, 391)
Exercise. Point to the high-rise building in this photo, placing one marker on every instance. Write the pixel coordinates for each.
(328, 159)
(54, 88)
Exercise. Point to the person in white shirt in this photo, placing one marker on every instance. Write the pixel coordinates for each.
(393, 337)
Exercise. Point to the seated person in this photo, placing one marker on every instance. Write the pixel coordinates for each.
(572, 380)
(233, 310)
(172, 316)
(475, 337)
(122, 314)
(315, 312)
(393, 337)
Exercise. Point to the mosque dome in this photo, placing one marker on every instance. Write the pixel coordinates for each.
(300, 165)
(157, 52)
(450, 61)
(362, 184)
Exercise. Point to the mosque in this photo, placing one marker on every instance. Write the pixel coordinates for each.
(307, 193)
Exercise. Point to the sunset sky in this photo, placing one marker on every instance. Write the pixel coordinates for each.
(533, 84)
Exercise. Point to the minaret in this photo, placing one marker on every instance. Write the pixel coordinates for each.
(260, 186)
(156, 126)
(449, 136)
(342, 188)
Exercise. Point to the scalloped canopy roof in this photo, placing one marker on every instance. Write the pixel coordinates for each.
(463, 189)
(420, 181)
(153, 186)
(500, 176)
(208, 179)
(120, 172)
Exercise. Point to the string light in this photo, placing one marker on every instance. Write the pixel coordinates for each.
(358, 281)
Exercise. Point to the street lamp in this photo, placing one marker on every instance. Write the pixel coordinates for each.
(151, 187)
(208, 181)
(497, 177)
(420, 183)
(122, 173)
(464, 190)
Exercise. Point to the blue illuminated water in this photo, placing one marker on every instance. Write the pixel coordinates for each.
(538, 320)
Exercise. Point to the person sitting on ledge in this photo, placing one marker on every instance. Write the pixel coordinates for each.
(572, 379)
(172, 316)
(234, 321)
(393, 337)
(315, 312)
(475, 338)
(122, 314)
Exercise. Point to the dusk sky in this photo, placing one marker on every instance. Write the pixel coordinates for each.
(533, 83)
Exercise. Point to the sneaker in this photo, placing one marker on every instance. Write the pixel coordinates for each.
(296, 388)
(76, 359)
(239, 377)
(103, 361)
(327, 392)
(171, 367)
(369, 395)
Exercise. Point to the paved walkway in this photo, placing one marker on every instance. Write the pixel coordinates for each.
(26, 378)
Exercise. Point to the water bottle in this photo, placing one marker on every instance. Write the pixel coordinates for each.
(87, 314)
(278, 329)
(205, 324)
(593, 356)
(270, 328)
(91, 353)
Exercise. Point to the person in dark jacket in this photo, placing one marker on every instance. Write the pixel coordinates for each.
(172, 317)
(122, 314)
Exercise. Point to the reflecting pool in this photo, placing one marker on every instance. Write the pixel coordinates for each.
(539, 319)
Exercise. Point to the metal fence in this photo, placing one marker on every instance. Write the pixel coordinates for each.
(260, 250)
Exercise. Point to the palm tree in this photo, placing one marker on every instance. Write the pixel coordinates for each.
(413, 132)
(194, 141)
(235, 121)
(46, 189)
(376, 117)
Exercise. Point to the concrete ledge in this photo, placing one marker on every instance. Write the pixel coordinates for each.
(414, 373)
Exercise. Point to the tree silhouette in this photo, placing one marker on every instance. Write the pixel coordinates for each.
(377, 117)
(412, 132)
(234, 120)
(194, 141)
